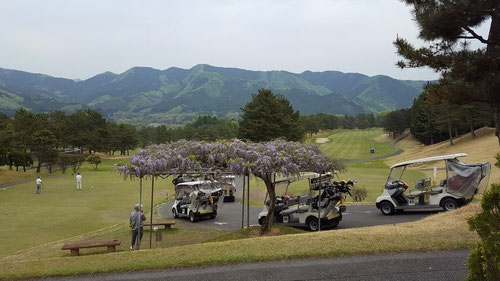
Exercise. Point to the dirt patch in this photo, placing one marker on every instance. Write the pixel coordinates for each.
(383, 138)
(322, 140)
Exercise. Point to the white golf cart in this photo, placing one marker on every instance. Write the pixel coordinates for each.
(456, 187)
(304, 210)
(228, 186)
(196, 199)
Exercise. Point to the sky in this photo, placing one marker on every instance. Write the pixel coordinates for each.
(79, 39)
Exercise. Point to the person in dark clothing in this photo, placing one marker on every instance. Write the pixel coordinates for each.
(137, 219)
(177, 180)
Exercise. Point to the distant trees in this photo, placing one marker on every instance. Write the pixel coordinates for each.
(207, 128)
(322, 121)
(431, 120)
(270, 116)
(467, 75)
(45, 137)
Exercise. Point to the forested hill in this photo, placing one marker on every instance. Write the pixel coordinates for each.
(175, 95)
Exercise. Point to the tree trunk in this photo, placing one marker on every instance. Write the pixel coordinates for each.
(39, 166)
(450, 134)
(17, 168)
(24, 168)
(268, 222)
(471, 127)
(493, 80)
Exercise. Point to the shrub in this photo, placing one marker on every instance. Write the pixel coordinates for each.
(359, 193)
(484, 260)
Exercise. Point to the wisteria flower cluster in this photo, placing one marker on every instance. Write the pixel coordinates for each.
(261, 159)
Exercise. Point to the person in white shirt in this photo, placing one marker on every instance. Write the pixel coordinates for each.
(78, 182)
(38, 185)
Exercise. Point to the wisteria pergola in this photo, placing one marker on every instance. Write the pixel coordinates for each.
(265, 160)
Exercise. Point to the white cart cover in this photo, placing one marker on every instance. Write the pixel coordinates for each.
(463, 179)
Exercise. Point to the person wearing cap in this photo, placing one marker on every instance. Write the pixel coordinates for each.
(137, 219)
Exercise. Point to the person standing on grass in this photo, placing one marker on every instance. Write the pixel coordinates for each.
(137, 219)
(38, 185)
(78, 182)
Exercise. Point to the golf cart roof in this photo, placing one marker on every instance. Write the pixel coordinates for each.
(303, 176)
(191, 183)
(429, 159)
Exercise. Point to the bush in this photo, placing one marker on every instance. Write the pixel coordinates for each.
(484, 260)
(359, 193)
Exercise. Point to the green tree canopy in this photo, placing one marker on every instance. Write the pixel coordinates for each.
(467, 75)
(270, 116)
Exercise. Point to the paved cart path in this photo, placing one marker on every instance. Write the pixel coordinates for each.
(229, 217)
(431, 266)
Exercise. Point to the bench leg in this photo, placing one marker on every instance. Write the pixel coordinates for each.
(75, 252)
(167, 226)
(111, 249)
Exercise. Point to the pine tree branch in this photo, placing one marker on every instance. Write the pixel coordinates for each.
(475, 35)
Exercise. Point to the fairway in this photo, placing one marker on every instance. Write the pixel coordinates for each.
(356, 144)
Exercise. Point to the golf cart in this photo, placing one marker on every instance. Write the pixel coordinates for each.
(304, 210)
(196, 199)
(229, 188)
(459, 184)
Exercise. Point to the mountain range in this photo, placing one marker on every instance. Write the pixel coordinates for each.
(144, 95)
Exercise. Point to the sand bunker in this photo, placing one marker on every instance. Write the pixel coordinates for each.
(321, 140)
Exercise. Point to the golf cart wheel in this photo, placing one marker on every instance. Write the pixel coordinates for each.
(312, 223)
(449, 204)
(174, 213)
(192, 217)
(386, 208)
(261, 220)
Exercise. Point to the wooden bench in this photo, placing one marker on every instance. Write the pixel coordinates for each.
(75, 246)
(167, 223)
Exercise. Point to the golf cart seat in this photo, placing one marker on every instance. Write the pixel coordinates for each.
(300, 209)
(436, 189)
(415, 193)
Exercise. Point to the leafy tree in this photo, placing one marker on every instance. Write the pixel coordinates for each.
(73, 161)
(44, 147)
(25, 126)
(396, 122)
(19, 158)
(471, 75)
(484, 260)
(311, 124)
(269, 116)
(3, 156)
(94, 160)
